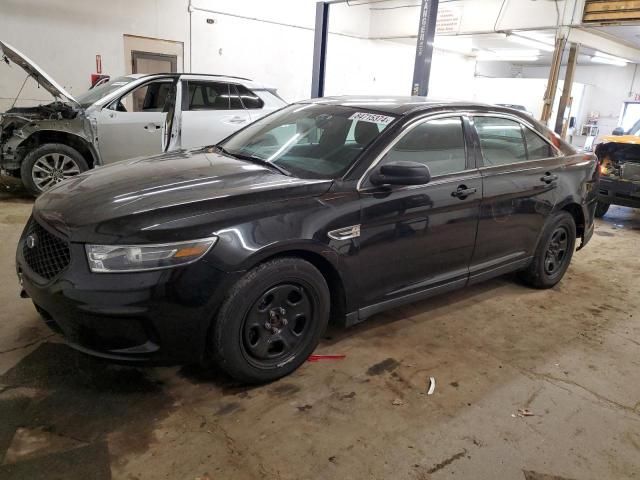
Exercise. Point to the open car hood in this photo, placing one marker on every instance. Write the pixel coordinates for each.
(39, 75)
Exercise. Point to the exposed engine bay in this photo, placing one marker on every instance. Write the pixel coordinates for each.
(621, 160)
(16, 117)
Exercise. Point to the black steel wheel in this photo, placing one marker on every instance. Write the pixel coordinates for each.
(556, 253)
(277, 324)
(271, 320)
(553, 253)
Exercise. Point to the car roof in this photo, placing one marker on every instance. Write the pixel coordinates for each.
(210, 76)
(399, 105)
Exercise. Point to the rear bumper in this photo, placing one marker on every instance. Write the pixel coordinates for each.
(619, 192)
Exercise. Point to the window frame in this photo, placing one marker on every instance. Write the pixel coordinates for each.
(112, 105)
(523, 124)
(240, 96)
(184, 104)
(470, 158)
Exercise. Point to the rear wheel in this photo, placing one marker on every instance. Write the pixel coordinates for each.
(271, 321)
(553, 253)
(601, 209)
(49, 164)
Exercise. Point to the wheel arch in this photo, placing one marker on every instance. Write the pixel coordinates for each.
(321, 257)
(576, 211)
(42, 137)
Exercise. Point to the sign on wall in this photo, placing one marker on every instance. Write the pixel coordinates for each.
(449, 18)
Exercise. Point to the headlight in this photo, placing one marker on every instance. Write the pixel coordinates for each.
(138, 258)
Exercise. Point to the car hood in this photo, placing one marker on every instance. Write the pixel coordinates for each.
(169, 197)
(629, 139)
(39, 75)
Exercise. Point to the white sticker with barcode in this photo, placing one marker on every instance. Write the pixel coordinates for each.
(372, 117)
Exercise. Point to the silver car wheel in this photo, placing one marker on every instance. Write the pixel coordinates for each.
(53, 168)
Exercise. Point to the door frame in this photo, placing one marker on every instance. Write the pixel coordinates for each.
(135, 54)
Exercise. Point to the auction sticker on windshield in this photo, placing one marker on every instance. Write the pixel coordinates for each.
(372, 117)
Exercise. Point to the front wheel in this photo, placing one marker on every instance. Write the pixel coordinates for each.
(49, 164)
(553, 253)
(601, 209)
(271, 320)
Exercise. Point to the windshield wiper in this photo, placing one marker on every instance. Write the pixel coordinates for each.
(254, 159)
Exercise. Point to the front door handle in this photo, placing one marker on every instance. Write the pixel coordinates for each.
(152, 127)
(548, 178)
(463, 192)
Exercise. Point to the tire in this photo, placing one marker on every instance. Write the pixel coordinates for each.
(256, 342)
(553, 255)
(601, 209)
(62, 160)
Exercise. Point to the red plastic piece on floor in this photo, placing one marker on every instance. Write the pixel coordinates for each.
(316, 358)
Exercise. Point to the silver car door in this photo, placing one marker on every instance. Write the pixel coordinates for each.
(132, 125)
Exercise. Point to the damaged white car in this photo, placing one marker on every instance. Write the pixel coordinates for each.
(129, 116)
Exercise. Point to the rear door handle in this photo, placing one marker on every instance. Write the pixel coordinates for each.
(463, 192)
(237, 120)
(548, 177)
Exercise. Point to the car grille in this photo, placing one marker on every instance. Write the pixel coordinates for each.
(46, 254)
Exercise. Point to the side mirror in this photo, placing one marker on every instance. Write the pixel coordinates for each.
(618, 131)
(401, 173)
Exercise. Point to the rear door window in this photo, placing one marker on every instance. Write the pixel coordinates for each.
(537, 148)
(206, 96)
(249, 99)
(501, 141)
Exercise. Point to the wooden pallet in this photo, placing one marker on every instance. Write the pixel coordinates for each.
(611, 11)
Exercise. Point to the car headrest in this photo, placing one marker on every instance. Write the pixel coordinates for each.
(365, 132)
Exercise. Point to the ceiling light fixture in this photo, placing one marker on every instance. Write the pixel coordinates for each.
(608, 61)
(529, 42)
(611, 57)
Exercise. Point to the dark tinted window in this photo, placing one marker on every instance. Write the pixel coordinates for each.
(438, 143)
(234, 98)
(207, 96)
(537, 148)
(249, 99)
(501, 140)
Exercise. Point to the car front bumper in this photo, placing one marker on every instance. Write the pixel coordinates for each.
(160, 316)
(619, 192)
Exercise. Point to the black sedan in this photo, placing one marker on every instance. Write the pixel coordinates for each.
(336, 208)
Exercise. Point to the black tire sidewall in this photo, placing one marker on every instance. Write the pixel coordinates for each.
(30, 158)
(227, 328)
(536, 273)
(601, 209)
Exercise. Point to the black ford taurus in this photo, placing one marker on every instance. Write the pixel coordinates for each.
(336, 208)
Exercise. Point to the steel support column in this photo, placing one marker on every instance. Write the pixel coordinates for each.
(320, 49)
(566, 88)
(552, 84)
(424, 47)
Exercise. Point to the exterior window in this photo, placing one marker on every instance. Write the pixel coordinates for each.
(150, 97)
(501, 141)
(207, 96)
(438, 144)
(249, 99)
(537, 148)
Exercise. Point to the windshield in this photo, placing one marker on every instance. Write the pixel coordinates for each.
(92, 96)
(310, 141)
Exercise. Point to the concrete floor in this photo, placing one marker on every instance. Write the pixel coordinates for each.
(569, 355)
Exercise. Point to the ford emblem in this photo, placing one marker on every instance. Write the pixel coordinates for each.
(31, 241)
